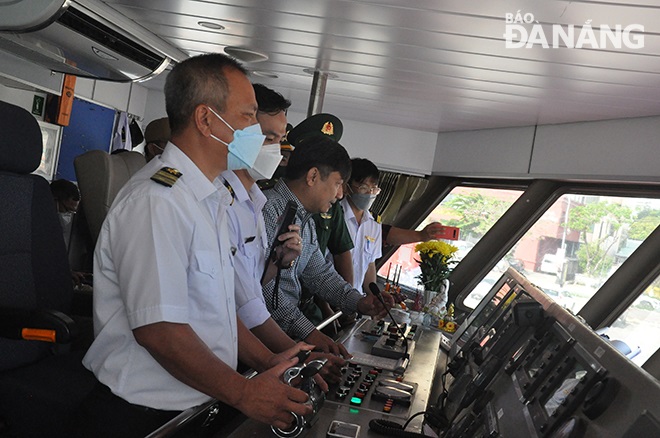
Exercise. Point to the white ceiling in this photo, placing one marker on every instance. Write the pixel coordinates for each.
(430, 65)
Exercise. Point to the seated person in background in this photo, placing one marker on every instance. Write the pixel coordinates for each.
(67, 199)
(248, 234)
(316, 171)
(156, 136)
(360, 193)
(166, 333)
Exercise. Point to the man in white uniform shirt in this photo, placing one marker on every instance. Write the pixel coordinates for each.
(247, 229)
(166, 333)
(361, 191)
(248, 234)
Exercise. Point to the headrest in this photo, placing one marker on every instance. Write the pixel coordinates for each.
(20, 140)
(100, 176)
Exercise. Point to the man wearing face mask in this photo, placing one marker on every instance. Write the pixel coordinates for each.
(246, 224)
(315, 175)
(361, 191)
(248, 235)
(156, 136)
(166, 333)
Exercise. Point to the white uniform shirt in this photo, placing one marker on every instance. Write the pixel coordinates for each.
(247, 233)
(163, 254)
(367, 237)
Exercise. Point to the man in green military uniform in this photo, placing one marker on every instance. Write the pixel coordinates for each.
(332, 233)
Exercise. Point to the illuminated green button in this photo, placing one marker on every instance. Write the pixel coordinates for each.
(356, 401)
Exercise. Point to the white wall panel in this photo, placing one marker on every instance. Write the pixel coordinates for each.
(85, 88)
(21, 98)
(390, 148)
(112, 94)
(155, 107)
(611, 149)
(138, 100)
(487, 152)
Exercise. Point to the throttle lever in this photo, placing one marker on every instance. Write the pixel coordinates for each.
(313, 368)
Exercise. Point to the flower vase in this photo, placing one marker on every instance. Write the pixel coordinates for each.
(436, 301)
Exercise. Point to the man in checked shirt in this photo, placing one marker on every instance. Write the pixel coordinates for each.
(316, 171)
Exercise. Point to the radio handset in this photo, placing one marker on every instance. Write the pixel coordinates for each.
(288, 218)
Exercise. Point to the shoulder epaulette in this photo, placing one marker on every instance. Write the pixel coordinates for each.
(167, 176)
(230, 189)
(266, 184)
(379, 219)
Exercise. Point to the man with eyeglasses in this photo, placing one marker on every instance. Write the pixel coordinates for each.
(361, 192)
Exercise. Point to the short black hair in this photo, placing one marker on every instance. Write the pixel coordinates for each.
(363, 169)
(63, 189)
(270, 101)
(321, 152)
(195, 81)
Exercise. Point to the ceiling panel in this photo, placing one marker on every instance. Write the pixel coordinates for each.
(430, 65)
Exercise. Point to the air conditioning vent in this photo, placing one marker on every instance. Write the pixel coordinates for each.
(85, 38)
(96, 31)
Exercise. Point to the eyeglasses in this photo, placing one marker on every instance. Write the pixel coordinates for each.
(365, 189)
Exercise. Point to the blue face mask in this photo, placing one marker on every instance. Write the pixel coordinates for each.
(245, 146)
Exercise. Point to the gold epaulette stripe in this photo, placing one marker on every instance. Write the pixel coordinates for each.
(166, 176)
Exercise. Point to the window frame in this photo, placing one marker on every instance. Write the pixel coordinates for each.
(537, 197)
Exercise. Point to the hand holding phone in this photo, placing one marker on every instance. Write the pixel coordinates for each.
(439, 231)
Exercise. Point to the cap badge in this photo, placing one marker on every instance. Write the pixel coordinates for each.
(328, 128)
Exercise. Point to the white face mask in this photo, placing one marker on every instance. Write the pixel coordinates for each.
(266, 163)
(245, 146)
(66, 218)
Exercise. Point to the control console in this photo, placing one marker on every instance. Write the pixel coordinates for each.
(373, 389)
(390, 341)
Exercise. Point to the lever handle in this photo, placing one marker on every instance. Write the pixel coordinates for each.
(312, 368)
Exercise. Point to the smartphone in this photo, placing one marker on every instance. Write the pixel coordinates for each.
(339, 429)
(288, 218)
(449, 233)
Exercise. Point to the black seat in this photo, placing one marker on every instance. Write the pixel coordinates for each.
(41, 378)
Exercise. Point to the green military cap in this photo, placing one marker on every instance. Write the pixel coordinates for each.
(318, 124)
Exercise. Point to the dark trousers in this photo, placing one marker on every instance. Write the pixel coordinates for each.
(105, 415)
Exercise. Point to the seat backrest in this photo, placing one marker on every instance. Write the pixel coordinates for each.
(100, 176)
(34, 271)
